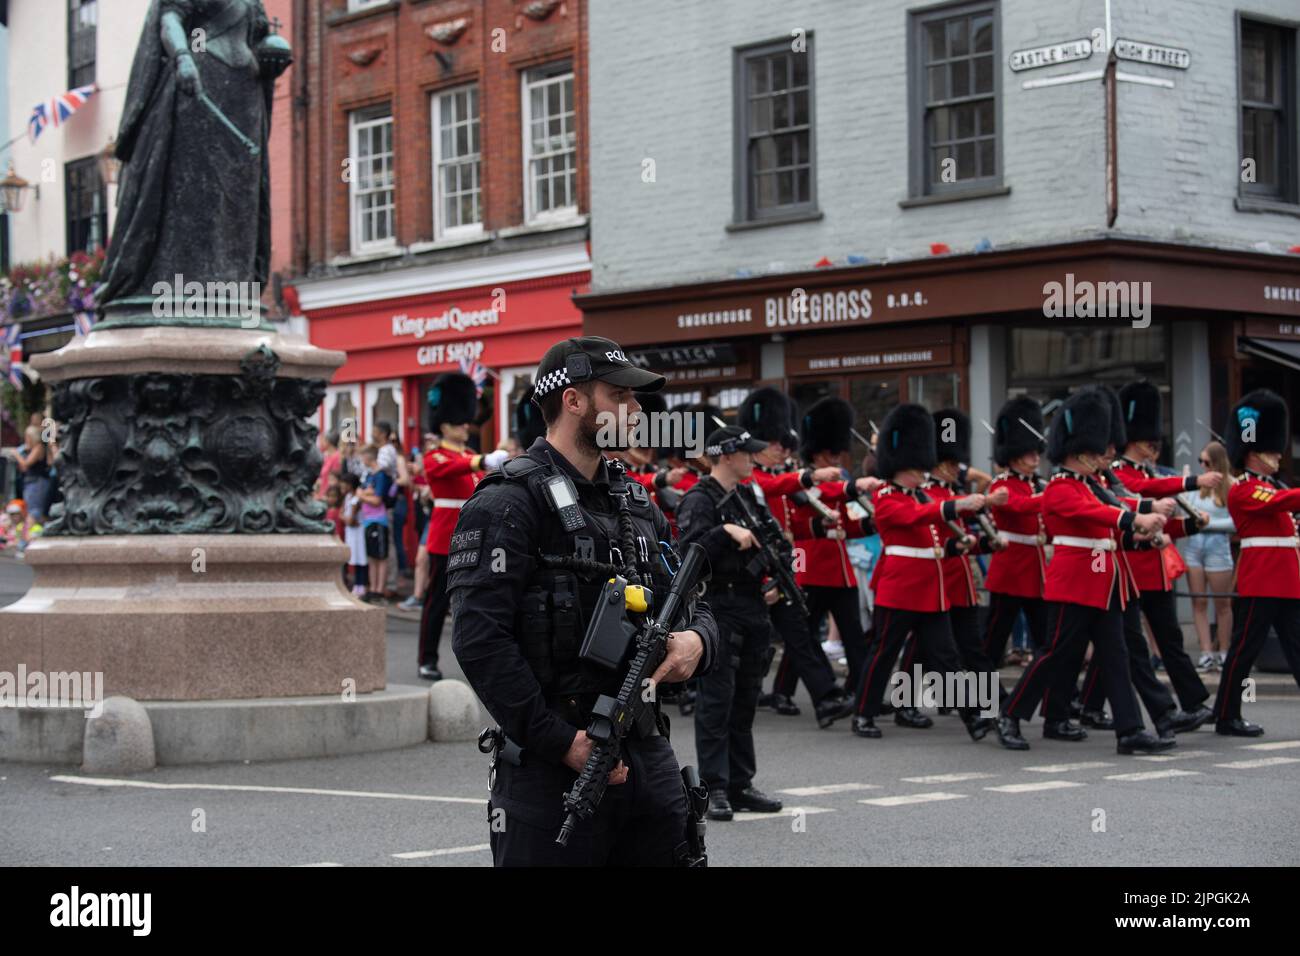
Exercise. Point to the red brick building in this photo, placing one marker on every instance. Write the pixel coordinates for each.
(440, 204)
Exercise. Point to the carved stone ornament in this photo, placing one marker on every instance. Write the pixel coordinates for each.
(365, 56)
(158, 453)
(449, 31)
(540, 9)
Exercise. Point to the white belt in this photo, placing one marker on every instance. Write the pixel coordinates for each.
(1268, 542)
(1092, 544)
(902, 551)
(1014, 538)
(449, 502)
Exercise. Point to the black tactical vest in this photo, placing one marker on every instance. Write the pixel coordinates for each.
(561, 595)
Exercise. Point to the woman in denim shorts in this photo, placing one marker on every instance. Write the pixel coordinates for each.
(1208, 557)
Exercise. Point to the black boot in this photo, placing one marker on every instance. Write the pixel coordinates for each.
(832, 709)
(429, 672)
(1144, 742)
(784, 706)
(978, 727)
(912, 717)
(1009, 734)
(1063, 730)
(719, 805)
(1188, 720)
(1238, 728)
(1097, 720)
(753, 799)
(866, 727)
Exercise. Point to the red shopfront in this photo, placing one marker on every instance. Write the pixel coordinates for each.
(397, 347)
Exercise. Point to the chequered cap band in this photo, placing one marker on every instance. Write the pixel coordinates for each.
(550, 382)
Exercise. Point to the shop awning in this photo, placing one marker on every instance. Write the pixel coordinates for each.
(1284, 353)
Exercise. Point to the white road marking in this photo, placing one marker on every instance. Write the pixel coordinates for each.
(949, 777)
(828, 788)
(1271, 745)
(1154, 775)
(913, 798)
(249, 788)
(744, 816)
(449, 851)
(1180, 755)
(1030, 787)
(1261, 762)
(318, 864)
(1068, 767)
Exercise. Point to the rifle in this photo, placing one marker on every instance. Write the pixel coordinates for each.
(768, 560)
(612, 718)
(1111, 498)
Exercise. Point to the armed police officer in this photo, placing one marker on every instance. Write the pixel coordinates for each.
(528, 563)
(722, 514)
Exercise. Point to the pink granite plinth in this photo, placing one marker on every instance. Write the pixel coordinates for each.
(196, 617)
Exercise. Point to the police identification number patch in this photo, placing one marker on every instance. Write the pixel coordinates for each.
(465, 550)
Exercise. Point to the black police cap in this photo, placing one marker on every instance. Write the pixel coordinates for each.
(587, 359)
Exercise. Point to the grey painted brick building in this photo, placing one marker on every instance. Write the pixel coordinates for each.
(871, 198)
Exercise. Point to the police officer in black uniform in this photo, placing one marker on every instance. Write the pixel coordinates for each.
(527, 563)
(727, 696)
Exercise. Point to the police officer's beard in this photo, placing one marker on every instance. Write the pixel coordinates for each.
(589, 432)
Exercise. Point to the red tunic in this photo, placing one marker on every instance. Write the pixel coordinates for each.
(911, 581)
(1083, 574)
(452, 475)
(826, 557)
(1019, 569)
(1149, 567)
(1260, 509)
(958, 580)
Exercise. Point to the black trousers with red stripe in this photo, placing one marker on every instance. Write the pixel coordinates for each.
(433, 615)
(1155, 695)
(1003, 609)
(803, 658)
(1252, 617)
(1162, 615)
(1072, 626)
(892, 626)
(965, 635)
(842, 605)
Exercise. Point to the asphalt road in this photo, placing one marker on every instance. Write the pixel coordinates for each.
(913, 798)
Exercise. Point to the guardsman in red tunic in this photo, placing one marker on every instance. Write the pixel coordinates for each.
(1268, 572)
(1169, 718)
(819, 522)
(452, 471)
(1142, 408)
(1018, 573)
(765, 414)
(911, 592)
(1086, 586)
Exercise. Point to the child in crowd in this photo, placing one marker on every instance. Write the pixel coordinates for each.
(373, 495)
(334, 506)
(353, 535)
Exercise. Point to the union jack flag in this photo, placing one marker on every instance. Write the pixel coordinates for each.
(58, 110)
(84, 322)
(477, 372)
(13, 354)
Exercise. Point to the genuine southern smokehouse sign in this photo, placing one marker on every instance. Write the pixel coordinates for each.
(1050, 55)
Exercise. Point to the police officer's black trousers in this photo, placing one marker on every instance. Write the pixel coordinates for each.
(1071, 627)
(639, 823)
(1003, 609)
(433, 615)
(1155, 695)
(1252, 617)
(804, 659)
(727, 696)
(933, 631)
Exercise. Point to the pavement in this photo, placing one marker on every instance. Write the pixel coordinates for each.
(929, 797)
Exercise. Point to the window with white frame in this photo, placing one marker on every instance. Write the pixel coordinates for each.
(364, 4)
(457, 190)
(372, 179)
(550, 143)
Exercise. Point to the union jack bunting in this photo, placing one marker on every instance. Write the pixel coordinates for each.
(58, 110)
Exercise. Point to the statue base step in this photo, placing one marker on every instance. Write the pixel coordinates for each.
(195, 617)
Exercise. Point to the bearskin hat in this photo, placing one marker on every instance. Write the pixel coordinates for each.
(1257, 423)
(529, 424)
(1011, 438)
(702, 416)
(1083, 424)
(765, 414)
(954, 422)
(827, 426)
(906, 441)
(453, 399)
(1143, 412)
